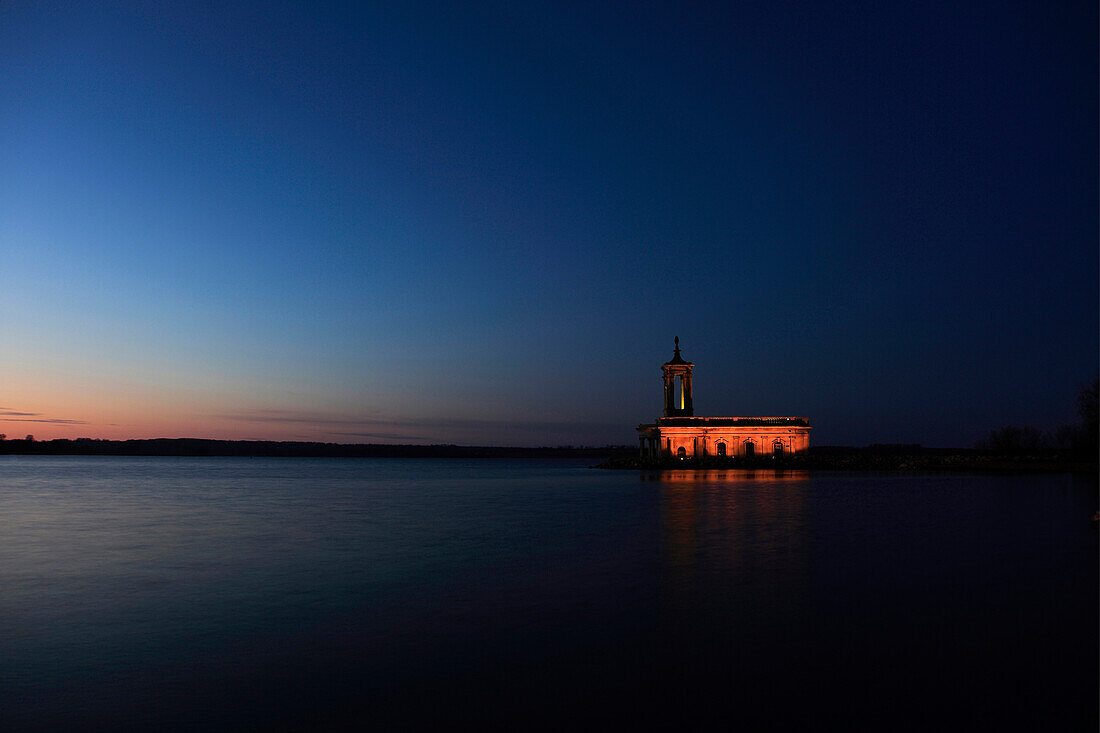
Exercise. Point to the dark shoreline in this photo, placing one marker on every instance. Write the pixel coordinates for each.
(879, 458)
(828, 458)
(291, 449)
(869, 462)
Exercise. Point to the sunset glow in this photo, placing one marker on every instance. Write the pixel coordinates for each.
(417, 223)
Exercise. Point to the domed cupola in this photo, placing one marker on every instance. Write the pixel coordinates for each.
(678, 402)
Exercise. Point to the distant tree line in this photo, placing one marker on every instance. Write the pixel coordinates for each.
(1082, 438)
(263, 448)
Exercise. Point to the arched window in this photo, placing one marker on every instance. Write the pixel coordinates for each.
(750, 449)
(720, 449)
(777, 448)
(681, 453)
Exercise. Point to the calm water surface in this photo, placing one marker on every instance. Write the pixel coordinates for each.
(225, 593)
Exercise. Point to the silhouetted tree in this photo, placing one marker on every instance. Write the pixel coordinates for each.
(30, 439)
(1013, 439)
(1067, 437)
(1088, 402)
(1081, 438)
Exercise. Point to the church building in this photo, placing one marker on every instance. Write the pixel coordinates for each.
(679, 434)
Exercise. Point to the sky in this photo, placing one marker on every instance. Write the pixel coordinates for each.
(484, 223)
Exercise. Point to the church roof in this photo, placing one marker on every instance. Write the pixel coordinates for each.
(708, 422)
(676, 358)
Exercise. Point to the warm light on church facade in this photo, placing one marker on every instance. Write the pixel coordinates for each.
(679, 434)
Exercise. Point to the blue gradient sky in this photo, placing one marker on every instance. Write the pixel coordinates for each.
(431, 222)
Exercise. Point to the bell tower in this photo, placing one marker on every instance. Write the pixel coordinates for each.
(678, 402)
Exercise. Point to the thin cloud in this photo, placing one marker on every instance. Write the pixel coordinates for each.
(381, 436)
(425, 430)
(286, 416)
(514, 424)
(59, 421)
(7, 414)
(281, 416)
(55, 420)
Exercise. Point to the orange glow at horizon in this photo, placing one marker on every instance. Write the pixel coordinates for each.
(66, 411)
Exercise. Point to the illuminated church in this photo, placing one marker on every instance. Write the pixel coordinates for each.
(679, 434)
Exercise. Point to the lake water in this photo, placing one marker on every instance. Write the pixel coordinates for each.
(226, 593)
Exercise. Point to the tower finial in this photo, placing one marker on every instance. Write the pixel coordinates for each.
(677, 340)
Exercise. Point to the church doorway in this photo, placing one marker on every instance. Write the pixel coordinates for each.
(720, 449)
(750, 450)
(777, 448)
(681, 453)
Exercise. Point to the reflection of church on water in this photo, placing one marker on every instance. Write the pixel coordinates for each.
(679, 434)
